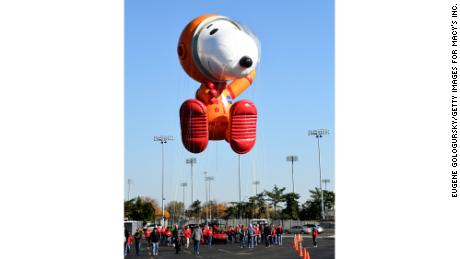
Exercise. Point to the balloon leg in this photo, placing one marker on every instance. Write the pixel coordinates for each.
(194, 125)
(243, 124)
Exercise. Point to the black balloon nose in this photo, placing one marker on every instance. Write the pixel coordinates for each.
(245, 62)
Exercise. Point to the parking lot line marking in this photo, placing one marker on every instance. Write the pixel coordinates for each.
(225, 251)
(229, 252)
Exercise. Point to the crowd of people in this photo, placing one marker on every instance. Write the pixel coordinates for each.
(246, 236)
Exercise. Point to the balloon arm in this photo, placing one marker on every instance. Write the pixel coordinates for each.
(208, 91)
(237, 86)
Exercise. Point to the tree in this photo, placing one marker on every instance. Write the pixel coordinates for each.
(231, 211)
(205, 208)
(252, 206)
(238, 209)
(159, 214)
(195, 209)
(152, 201)
(219, 209)
(245, 209)
(292, 205)
(311, 209)
(258, 206)
(175, 208)
(305, 212)
(276, 196)
(140, 208)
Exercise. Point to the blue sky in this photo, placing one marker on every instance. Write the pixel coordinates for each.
(293, 92)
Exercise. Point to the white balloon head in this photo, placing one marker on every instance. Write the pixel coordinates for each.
(223, 50)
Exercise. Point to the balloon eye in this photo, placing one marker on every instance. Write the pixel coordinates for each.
(213, 31)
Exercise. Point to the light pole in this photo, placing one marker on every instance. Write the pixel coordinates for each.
(292, 159)
(239, 185)
(256, 183)
(318, 133)
(191, 161)
(163, 140)
(209, 179)
(326, 181)
(183, 185)
(206, 189)
(129, 186)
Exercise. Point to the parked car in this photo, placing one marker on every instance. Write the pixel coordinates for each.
(296, 230)
(327, 225)
(219, 236)
(192, 226)
(150, 226)
(132, 226)
(307, 228)
(259, 221)
(219, 231)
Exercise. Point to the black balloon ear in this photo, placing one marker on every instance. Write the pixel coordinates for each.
(213, 31)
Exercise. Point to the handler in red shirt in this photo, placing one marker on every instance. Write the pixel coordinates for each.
(187, 235)
(314, 235)
(162, 232)
(147, 233)
(208, 234)
(257, 230)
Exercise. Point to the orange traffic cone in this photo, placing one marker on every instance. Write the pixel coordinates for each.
(308, 255)
(301, 250)
(305, 253)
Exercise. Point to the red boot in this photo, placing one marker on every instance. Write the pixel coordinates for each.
(194, 125)
(243, 123)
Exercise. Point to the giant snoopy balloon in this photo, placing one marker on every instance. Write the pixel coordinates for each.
(214, 50)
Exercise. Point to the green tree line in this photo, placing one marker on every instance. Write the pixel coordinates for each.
(274, 204)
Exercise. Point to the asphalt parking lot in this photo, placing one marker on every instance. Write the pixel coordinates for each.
(325, 250)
